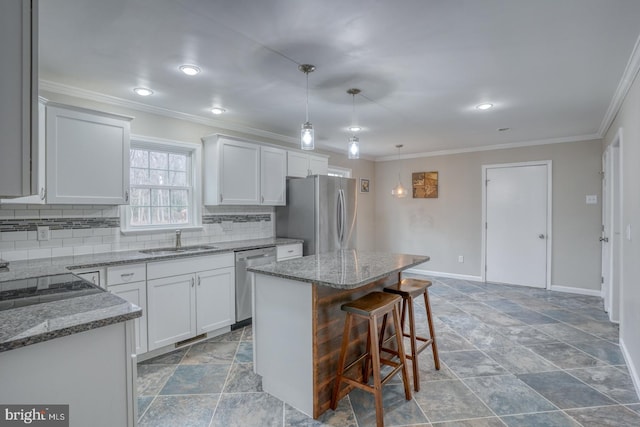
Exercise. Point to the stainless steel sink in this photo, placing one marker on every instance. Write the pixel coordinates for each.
(181, 250)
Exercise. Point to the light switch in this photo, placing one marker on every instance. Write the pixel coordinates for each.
(592, 199)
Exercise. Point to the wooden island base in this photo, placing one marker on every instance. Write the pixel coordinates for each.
(298, 329)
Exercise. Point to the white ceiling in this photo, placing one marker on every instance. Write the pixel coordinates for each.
(550, 67)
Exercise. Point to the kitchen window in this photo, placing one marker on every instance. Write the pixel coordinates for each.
(164, 181)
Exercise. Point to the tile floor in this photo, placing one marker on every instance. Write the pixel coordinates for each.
(510, 356)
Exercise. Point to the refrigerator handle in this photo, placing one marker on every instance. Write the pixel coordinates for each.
(341, 216)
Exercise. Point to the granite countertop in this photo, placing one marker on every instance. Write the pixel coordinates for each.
(59, 265)
(347, 269)
(24, 326)
(32, 324)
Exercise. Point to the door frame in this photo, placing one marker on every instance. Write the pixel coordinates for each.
(612, 212)
(483, 256)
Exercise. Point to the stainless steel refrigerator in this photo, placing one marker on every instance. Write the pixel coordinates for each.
(321, 210)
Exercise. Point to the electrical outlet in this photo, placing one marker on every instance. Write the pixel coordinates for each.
(592, 199)
(44, 233)
(460, 258)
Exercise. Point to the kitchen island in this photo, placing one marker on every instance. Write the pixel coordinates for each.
(298, 323)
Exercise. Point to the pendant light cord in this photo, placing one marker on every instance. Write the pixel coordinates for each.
(307, 116)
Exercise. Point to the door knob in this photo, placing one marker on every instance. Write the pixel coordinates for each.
(540, 236)
(604, 239)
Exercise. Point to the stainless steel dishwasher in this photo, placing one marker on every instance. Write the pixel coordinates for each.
(244, 279)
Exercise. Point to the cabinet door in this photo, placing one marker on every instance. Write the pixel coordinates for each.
(136, 293)
(171, 314)
(297, 164)
(19, 89)
(38, 162)
(215, 305)
(318, 165)
(87, 157)
(239, 173)
(273, 173)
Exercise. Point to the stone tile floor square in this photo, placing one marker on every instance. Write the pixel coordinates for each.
(510, 356)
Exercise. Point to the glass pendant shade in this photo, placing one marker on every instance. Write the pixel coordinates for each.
(399, 191)
(306, 136)
(354, 147)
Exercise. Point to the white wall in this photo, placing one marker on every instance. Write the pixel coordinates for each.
(450, 225)
(628, 119)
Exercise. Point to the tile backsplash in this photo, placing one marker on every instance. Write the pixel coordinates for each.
(87, 229)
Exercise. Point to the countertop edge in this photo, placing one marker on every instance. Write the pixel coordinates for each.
(70, 330)
(335, 285)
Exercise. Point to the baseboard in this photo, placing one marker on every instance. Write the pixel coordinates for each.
(441, 274)
(632, 368)
(581, 291)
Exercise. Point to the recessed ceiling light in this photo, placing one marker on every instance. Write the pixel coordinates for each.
(189, 70)
(355, 128)
(503, 129)
(484, 106)
(218, 110)
(143, 91)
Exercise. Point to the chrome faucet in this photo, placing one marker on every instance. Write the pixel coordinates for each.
(178, 239)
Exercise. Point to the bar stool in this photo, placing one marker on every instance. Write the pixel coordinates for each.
(371, 307)
(409, 289)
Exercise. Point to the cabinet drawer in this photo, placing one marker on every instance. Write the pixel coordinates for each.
(289, 251)
(126, 274)
(189, 265)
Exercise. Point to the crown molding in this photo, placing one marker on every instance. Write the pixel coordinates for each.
(89, 95)
(629, 75)
(490, 147)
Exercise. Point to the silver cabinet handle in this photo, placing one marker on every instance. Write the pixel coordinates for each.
(262, 199)
(43, 193)
(540, 236)
(604, 239)
(126, 275)
(126, 196)
(198, 280)
(220, 197)
(193, 283)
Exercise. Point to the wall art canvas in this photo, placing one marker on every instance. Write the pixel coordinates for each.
(425, 185)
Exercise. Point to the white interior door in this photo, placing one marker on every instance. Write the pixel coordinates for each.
(606, 231)
(611, 230)
(517, 226)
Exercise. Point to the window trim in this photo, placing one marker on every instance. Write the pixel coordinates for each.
(195, 149)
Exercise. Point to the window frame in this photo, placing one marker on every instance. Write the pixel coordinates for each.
(195, 202)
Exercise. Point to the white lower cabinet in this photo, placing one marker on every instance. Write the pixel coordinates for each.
(196, 298)
(285, 252)
(172, 315)
(215, 299)
(136, 293)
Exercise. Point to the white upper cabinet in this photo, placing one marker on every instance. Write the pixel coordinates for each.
(87, 156)
(300, 164)
(38, 164)
(239, 172)
(19, 99)
(273, 174)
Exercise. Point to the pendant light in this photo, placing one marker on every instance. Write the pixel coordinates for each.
(354, 141)
(306, 132)
(399, 191)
